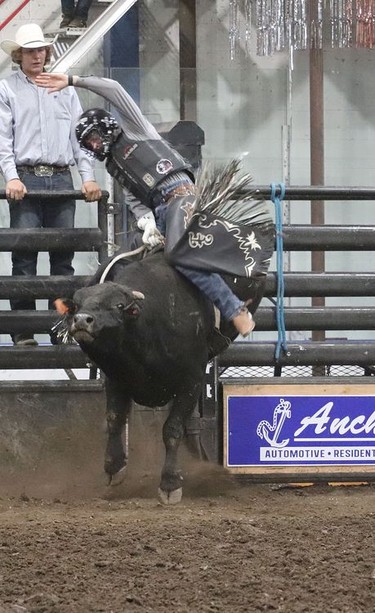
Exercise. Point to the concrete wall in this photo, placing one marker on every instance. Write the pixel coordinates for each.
(53, 439)
(52, 436)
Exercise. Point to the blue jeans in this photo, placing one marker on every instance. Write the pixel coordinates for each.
(215, 288)
(42, 213)
(210, 283)
(81, 9)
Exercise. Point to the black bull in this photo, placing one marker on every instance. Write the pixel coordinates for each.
(152, 350)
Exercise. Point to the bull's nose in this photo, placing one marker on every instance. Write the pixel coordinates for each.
(82, 322)
(83, 318)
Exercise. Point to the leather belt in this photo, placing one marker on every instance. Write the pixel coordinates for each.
(181, 190)
(43, 170)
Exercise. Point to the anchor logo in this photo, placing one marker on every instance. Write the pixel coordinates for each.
(264, 429)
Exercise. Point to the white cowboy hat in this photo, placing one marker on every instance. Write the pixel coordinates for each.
(28, 36)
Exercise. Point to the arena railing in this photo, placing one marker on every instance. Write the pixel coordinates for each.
(310, 238)
(48, 287)
(307, 284)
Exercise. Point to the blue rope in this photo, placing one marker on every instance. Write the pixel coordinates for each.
(280, 315)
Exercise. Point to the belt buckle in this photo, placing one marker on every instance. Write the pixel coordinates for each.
(43, 171)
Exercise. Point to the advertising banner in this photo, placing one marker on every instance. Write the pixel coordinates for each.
(304, 426)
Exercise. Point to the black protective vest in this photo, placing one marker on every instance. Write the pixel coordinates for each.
(140, 166)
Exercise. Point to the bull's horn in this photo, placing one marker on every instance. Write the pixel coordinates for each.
(138, 295)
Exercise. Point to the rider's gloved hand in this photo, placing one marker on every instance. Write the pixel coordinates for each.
(151, 235)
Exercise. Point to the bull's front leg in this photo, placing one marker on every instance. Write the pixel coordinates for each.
(118, 407)
(182, 407)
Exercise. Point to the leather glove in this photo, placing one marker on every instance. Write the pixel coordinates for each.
(151, 235)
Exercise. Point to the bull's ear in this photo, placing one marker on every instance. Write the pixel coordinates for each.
(64, 306)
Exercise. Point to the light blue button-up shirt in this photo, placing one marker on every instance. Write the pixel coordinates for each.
(39, 128)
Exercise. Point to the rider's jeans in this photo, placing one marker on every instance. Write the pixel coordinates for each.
(215, 288)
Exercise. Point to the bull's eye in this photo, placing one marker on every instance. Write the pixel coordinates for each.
(120, 306)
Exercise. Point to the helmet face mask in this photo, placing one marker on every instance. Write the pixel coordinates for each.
(94, 143)
(96, 132)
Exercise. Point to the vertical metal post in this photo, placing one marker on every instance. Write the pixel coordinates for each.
(286, 143)
(188, 61)
(110, 216)
(316, 145)
(103, 226)
(103, 251)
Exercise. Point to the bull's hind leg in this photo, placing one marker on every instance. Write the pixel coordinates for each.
(118, 407)
(170, 490)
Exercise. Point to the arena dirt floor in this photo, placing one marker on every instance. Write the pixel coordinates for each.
(67, 545)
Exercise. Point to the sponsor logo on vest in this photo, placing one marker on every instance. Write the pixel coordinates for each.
(129, 150)
(148, 179)
(163, 166)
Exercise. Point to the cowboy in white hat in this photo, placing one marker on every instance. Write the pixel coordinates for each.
(28, 36)
(38, 149)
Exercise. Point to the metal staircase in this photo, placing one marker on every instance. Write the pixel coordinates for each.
(71, 45)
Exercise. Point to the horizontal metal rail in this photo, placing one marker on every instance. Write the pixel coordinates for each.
(317, 192)
(50, 239)
(40, 322)
(63, 356)
(303, 318)
(317, 318)
(238, 354)
(308, 284)
(58, 195)
(328, 238)
(296, 238)
(294, 192)
(297, 284)
(41, 286)
(307, 353)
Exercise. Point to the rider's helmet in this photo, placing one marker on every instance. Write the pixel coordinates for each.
(96, 131)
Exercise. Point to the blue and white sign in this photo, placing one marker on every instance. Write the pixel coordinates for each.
(300, 430)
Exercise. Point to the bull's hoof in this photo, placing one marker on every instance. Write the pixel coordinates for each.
(117, 478)
(173, 497)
